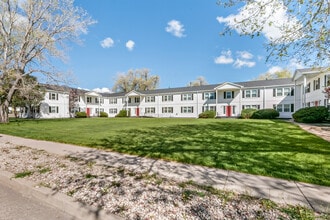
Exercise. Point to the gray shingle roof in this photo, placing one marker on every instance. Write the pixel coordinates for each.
(247, 84)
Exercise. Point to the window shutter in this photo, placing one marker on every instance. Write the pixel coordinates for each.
(292, 107)
(57, 109)
(292, 91)
(224, 95)
(243, 93)
(192, 96)
(274, 92)
(232, 94)
(203, 96)
(56, 96)
(49, 109)
(258, 93)
(49, 96)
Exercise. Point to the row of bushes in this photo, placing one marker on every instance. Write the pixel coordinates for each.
(305, 115)
(84, 115)
(247, 113)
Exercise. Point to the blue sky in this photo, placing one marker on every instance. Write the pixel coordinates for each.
(178, 40)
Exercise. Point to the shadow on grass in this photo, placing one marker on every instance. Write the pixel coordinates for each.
(271, 148)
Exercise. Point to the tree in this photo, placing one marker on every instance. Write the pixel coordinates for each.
(32, 32)
(139, 80)
(275, 75)
(295, 29)
(28, 95)
(200, 81)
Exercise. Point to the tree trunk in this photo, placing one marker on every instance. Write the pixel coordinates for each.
(4, 113)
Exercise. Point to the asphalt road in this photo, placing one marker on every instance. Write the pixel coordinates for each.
(15, 206)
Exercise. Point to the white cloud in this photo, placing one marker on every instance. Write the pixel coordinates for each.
(102, 90)
(274, 22)
(130, 45)
(107, 43)
(241, 63)
(244, 55)
(176, 28)
(224, 58)
(294, 64)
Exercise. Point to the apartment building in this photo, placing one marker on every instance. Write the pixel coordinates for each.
(227, 99)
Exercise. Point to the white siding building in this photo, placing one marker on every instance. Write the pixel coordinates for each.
(227, 99)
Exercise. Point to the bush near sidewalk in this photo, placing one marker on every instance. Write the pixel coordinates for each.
(314, 114)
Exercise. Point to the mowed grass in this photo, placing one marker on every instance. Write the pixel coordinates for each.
(265, 147)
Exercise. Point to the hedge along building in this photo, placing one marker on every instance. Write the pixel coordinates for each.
(227, 99)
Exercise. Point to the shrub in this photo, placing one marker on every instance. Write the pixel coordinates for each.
(81, 115)
(247, 113)
(311, 114)
(207, 114)
(103, 114)
(122, 113)
(265, 114)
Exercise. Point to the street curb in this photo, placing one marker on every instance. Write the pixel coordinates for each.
(54, 199)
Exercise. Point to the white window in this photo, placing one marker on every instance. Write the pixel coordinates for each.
(209, 108)
(287, 108)
(113, 111)
(209, 95)
(278, 108)
(251, 106)
(53, 96)
(150, 110)
(187, 97)
(167, 110)
(228, 94)
(89, 99)
(187, 109)
(97, 100)
(113, 101)
(251, 93)
(150, 99)
(53, 109)
(167, 98)
(137, 99)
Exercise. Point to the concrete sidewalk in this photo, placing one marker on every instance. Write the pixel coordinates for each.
(278, 190)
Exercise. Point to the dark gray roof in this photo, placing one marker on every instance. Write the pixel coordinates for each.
(247, 84)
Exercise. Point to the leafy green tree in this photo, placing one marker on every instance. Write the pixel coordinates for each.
(200, 81)
(139, 80)
(275, 75)
(32, 32)
(295, 29)
(28, 95)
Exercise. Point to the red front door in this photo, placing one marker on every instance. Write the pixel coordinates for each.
(228, 111)
(137, 112)
(88, 112)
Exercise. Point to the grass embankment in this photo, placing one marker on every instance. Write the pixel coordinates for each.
(264, 147)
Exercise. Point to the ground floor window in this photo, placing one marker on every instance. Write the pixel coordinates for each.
(113, 111)
(251, 106)
(150, 110)
(53, 109)
(167, 110)
(284, 107)
(187, 109)
(209, 108)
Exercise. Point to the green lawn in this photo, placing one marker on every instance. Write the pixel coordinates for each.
(265, 147)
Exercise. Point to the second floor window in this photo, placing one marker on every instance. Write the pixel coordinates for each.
(167, 98)
(228, 95)
(187, 97)
(209, 95)
(113, 101)
(53, 96)
(89, 99)
(150, 99)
